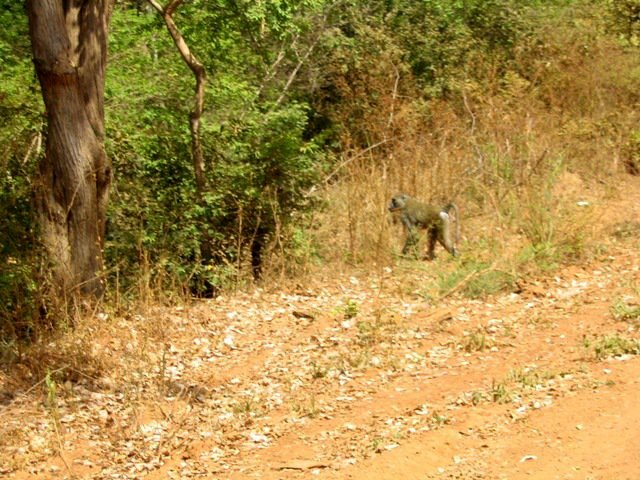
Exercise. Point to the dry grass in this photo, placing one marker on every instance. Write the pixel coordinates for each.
(516, 150)
(526, 163)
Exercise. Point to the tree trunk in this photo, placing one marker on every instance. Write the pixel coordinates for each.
(69, 42)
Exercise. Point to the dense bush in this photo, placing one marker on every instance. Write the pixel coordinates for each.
(20, 148)
(303, 94)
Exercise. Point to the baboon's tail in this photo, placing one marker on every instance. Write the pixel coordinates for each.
(449, 207)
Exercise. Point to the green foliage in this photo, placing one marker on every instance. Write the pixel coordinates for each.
(442, 39)
(369, 333)
(301, 250)
(529, 378)
(260, 161)
(52, 392)
(147, 140)
(612, 346)
(489, 282)
(624, 311)
(546, 256)
(558, 236)
(500, 392)
(625, 19)
(350, 309)
(20, 148)
(449, 280)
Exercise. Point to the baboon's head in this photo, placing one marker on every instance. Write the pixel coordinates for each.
(398, 202)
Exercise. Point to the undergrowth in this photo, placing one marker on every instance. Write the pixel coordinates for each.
(612, 346)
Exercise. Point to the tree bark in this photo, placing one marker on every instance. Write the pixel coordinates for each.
(69, 43)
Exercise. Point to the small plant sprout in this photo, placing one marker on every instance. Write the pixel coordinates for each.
(476, 341)
(624, 311)
(612, 346)
(318, 371)
(52, 393)
(350, 309)
(500, 393)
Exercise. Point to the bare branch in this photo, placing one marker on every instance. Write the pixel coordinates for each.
(304, 58)
(157, 6)
(346, 162)
(201, 78)
(294, 73)
(172, 7)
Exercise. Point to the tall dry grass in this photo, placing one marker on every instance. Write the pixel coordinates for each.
(516, 154)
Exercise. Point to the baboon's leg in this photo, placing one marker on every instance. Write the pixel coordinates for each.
(432, 234)
(412, 234)
(412, 240)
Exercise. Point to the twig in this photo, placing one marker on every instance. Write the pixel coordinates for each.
(61, 448)
(36, 142)
(293, 74)
(394, 95)
(34, 386)
(346, 162)
(459, 284)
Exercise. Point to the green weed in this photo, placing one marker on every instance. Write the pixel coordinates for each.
(477, 398)
(52, 393)
(353, 360)
(475, 279)
(529, 378)
(439, 420)
(476, 341)
(612, 346)
(500, 393)
(317, 371)
(627, 229)
(245, 408)
(350, 309)
(369, 333)
(308, 409)
(488, 283)
(623, 311)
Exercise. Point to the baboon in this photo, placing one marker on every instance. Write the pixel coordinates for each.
(415, 214)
